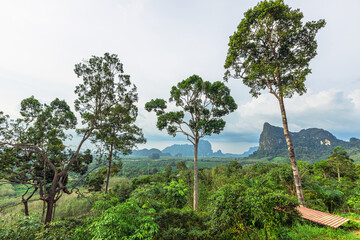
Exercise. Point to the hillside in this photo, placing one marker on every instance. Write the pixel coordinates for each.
(311, 145)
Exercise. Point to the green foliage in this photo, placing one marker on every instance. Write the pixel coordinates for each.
(176, 194)
(312, 231)
(206, 102)
(351, 225)
(59, 229)
(323, 167)
(234, 205)
(154, 156)
(272, 49)
(282, 175)
(82, 162)
(116, 168)
(24, 229)
(107, 96)
(332, 197)
(340, 161)
(121, 191)
(238, 210)
(168, 171)
(123, 221)
(353, 199)
(160, 195)
(95, 181)
(179, 224)
(181, 166)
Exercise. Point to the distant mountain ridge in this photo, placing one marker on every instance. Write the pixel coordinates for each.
(205, 149)
(310, 145)
(187, 150)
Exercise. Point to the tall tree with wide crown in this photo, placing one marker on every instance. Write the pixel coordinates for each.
(271, 49)
(205, 104)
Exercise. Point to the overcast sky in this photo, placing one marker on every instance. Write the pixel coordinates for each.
(161, 42)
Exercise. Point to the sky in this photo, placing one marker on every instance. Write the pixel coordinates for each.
(162, 42)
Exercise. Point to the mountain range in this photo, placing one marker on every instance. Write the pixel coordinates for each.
(187, 150)
(311, 145)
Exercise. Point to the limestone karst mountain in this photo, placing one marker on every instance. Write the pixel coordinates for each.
(311, 145)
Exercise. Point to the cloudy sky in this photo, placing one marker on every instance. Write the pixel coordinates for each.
(162, 42)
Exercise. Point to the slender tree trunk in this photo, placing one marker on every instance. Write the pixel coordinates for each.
(43, 192)
(26, 207)
(43, 211)
(196, 180)
(108, 170)
(53, 215)
(294, 166)
(338, 173)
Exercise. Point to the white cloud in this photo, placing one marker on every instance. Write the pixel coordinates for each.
(355, 99)
(163, 42)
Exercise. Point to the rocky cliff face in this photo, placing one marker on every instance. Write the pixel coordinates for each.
(311, 144)
(271, 138)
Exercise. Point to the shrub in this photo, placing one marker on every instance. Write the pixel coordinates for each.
(123, 221)
(238, 211)
(179, 224)
(25, 228)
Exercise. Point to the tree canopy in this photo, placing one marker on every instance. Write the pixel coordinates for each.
(272, 49)
(107, 94)
(205, 103)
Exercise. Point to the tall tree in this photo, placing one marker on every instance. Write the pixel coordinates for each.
(340, 161)
(105, 84)
(204, 104)
(272, 49)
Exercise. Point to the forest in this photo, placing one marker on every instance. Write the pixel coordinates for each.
(51, 189)
(235, 202)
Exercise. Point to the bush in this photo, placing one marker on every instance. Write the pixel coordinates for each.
(123, 221)
(312, 231)
(161, 195)
(60, 230)
(25, 228)
(351, 225)
(237, 211)
(95, 180)
(179, 224)
(121, 191)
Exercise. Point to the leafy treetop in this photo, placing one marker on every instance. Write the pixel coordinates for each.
(272, 49)
(205, 102)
